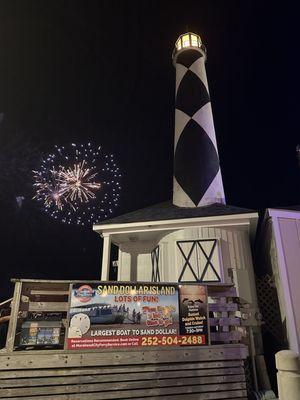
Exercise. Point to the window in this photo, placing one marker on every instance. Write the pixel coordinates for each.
(199, 260)
(188, 40)
(155, 277)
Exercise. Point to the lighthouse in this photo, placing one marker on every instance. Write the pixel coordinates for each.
(193, 237)
(197, 179)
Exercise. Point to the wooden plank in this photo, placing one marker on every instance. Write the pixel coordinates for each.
(68, 316)
(137, 388)
(99, 359)
(21, 360)
(120, 384)
(48, 306)
(236, 395)
(127, 369)
(117, 377)
(47, 299)
(224, 321)
(57, 292)
(231, 249)
(13, 317)
(217, 291)
(121, 350)
(237, 250)
(225, 336)
(60, 281)
(204, 396)
(36, 284)
(223, 307)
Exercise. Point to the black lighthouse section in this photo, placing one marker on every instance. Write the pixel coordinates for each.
(188, 57)
(191, 94)
(196, 161)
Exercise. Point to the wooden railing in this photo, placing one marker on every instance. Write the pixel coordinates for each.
(202, 373)
(191, 372)
(225, 325)
(34, 297)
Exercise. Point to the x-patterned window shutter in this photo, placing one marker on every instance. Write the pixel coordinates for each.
(200, 260)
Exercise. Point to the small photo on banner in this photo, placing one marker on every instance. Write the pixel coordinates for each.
(193, 311)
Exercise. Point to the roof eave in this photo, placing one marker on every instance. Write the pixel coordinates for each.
(220, 220)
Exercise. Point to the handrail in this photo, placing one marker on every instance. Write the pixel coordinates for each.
(14, 280)
(6, 302)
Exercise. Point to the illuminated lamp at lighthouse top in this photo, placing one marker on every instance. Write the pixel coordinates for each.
(187, 41)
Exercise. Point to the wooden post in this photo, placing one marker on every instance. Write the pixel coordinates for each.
(13, 317)
(105, 257)
(68, 317)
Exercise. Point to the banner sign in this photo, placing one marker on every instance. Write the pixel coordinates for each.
(112, 315)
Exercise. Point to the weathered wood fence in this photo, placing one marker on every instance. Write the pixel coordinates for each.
(212, 372)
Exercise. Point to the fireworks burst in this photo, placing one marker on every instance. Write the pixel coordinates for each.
(75, 183)
(78, 184)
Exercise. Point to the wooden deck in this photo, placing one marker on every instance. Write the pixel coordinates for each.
(204, 373)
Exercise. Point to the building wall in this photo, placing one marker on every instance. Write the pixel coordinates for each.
(290, 275)
(278, 251)
(123, 266)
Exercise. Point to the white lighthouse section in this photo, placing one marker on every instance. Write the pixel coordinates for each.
(197, 177)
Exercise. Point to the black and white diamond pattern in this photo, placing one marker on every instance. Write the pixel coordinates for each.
(197, 175)
(191, 94)
(195, 152)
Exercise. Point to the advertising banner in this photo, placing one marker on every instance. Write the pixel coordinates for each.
(112, 315)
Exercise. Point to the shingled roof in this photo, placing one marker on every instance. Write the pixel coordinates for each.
(168, 211)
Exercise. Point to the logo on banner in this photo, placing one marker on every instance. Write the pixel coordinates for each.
(84, 293)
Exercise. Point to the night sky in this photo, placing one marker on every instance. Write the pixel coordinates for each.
(102, 71)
